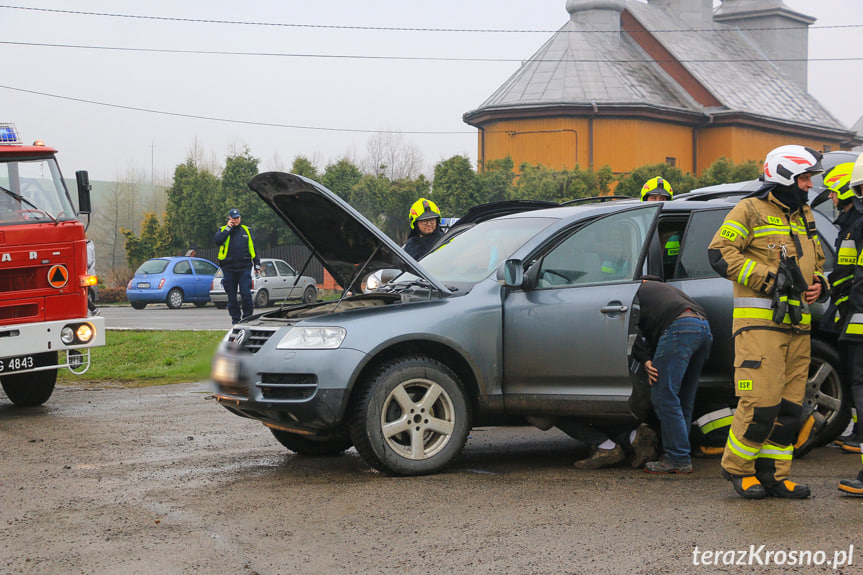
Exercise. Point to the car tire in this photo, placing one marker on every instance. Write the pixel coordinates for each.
(313, 445)
(262, 298)
(138, 305)
(200, 303)
(33, 388)
(826, 394)
(310, 294)
(175, 298)
(396, 432)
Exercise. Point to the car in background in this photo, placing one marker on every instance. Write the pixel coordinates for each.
(278, 282)
(514, 320)
(172, 281)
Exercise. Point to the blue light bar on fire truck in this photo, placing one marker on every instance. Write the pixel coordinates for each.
(8, 134)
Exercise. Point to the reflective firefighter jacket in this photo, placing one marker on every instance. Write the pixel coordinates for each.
(746, 249)
(846, 279)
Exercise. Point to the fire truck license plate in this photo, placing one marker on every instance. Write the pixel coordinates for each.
(22, 362)
(142, 285)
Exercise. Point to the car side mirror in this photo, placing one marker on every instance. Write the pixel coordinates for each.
(511, 273)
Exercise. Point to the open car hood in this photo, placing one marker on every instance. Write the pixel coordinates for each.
(348, 245)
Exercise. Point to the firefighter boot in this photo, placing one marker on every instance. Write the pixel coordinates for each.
(602, 458)
(852, 486)
(747, 487)
(788, 490)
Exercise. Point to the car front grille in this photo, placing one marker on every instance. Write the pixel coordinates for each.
(250, 339)
(288, 386)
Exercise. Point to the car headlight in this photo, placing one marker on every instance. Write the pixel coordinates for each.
(313, 338)
(373, 282)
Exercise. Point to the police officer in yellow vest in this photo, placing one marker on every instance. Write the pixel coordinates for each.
(236, 257)
(768, 246)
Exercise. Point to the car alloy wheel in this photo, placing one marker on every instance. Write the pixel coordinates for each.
(412, 418)
(825, 393)
(175, 298)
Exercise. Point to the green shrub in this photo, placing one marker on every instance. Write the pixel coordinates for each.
(112, 295)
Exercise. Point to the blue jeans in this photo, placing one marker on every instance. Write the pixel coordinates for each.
(680, 354)
(241, 280)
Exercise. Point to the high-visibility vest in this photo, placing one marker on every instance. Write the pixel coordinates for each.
(223, 249)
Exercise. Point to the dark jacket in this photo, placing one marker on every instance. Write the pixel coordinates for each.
(660, 304)
(241, 249)
(417, 246)
(846, 279)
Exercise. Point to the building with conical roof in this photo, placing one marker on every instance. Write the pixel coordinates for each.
(628, 83)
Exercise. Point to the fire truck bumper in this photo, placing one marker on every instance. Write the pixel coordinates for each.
(22, 344)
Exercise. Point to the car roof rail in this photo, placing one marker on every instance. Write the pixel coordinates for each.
(577, 201)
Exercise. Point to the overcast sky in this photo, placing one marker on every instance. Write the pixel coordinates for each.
(98, 106)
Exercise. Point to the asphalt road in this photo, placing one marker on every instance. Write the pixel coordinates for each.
(164, 480)
(159, 316)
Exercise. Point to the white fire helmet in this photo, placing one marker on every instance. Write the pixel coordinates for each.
(785, 163)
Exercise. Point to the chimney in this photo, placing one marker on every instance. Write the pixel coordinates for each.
(779, 31)
(601, 15)
(696, 13)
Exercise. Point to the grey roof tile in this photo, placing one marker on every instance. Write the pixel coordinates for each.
(580, 66)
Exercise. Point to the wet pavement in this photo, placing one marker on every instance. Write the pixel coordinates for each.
(164, 480)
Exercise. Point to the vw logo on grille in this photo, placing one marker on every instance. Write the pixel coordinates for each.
(241, 336)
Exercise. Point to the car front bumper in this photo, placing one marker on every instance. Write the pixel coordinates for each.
(296, 390)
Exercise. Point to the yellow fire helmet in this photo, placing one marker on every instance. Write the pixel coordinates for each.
(838, 179)
(657, 185)
(423, 209)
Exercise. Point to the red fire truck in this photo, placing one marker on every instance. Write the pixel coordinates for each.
(44, 324)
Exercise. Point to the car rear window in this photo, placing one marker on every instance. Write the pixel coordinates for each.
(152, 267)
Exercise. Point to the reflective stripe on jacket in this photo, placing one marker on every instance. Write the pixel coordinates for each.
(746, 249)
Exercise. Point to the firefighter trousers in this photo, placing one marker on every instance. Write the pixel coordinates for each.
(770, 372)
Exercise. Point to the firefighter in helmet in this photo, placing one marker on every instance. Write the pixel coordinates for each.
(657, 189)
(424, 218)
(845, 182)
(768, 246)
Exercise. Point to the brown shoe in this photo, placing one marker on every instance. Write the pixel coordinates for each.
(601, 458)
(645, 446)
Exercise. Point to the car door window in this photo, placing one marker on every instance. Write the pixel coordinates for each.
(204, 268)
(693, 261)
(183, 268)
(285, 269)
(603, 251)
(269, 270)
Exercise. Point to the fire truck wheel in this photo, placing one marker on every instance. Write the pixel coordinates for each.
(175, 298)
(31, 389)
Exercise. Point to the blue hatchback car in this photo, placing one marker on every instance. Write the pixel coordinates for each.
(171, 281)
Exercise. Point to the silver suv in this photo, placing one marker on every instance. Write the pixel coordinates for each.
(524, 318)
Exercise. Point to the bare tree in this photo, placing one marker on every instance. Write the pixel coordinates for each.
(390, 155)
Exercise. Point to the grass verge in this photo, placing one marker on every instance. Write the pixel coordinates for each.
(144, 358)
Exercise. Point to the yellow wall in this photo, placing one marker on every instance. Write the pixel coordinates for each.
(628, 144)
(740, 144)
(625, 144)
(557, 143)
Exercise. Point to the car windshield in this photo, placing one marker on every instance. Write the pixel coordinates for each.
(33, 190)
(474, 254)
(152, 267)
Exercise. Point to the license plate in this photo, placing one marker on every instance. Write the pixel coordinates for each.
(143, 285)
(225, 370)
(21, 363)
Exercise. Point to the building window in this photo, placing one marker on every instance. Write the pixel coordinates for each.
(669, 161)
(827, 148)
